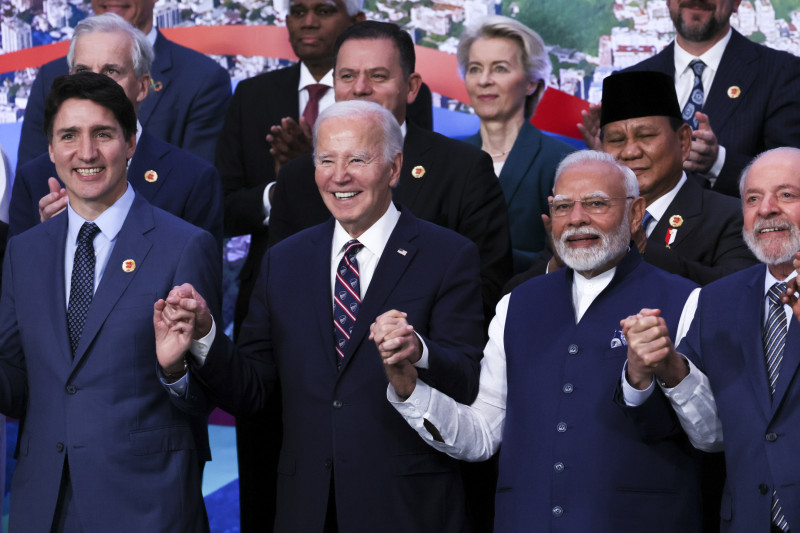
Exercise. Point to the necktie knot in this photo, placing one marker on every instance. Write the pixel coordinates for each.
(697, 67)
(315, 92)
(351, 248)
(774, 293)
(87, 233)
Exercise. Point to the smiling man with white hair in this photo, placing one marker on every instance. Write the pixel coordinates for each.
(574, 456)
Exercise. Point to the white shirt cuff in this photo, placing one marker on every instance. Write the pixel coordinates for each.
(267, 203)
(423, 360)
(633, 396)
(176, 388)
(200, 347)
(716, 168)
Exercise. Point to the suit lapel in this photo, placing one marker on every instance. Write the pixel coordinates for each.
(736, 69)
(414, 150)
(789, 366)
(688, 204)
(147, 159)
(130, 244)
(521, 157)
(752, 346)
(397, 256)
(160, 82)
(55, 282)
(320, 286)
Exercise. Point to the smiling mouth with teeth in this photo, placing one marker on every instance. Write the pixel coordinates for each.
(88, 171)
(344, 195)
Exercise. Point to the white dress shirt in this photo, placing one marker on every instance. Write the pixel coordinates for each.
(684, 81)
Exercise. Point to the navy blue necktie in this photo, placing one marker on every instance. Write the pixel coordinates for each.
(346, 297)
(697, 96)
(82, 284)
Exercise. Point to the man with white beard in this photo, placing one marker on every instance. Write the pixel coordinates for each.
(744, 338)
(574, 456)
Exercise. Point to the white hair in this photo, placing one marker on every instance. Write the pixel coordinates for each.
(141, 50)
(583, 156)
(392, 135)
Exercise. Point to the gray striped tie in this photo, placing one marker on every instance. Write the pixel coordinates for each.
(774, 337)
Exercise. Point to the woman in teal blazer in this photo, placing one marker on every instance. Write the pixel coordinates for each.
(505, 66)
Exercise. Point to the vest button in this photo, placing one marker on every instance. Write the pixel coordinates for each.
(763, 488)
(573, 349)
(72, 389)
(337, 404)
(561, 427)
(558, 511)
(558, 467)
(568, 388)
(771, 437)
(60, 447)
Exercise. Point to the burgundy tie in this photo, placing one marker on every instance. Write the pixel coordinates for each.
(315, 92)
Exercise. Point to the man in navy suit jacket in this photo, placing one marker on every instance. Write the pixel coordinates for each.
(168, 177)
(756, 401)
(103, 445)
(752, 104)
(349, 462)
(185, 108)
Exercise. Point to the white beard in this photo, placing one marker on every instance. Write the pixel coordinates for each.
(786, 248)
(612, 245)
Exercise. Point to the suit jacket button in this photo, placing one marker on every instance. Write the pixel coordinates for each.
(558, 511)
(568, 388)
(60, 447)
(337, 404)
(763, 488)
(72, 389)
(772, 437)
(561, 427)
(558, 467)
(573, 349)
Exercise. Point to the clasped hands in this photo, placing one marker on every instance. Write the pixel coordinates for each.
(180, 318)
(399, 348)
(650, 351)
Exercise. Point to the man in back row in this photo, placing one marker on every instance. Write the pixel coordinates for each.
(168, 177)
(185, 108)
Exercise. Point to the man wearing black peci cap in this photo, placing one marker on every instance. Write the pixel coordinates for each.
(690, 231)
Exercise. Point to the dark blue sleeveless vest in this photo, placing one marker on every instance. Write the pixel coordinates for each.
(572, 459)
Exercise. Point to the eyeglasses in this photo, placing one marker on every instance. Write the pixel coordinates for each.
(595, 205)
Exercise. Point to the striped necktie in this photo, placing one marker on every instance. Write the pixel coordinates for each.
(346, 298)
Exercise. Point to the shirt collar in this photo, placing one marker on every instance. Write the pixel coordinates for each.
(151, 37)
(603, 280)
(659, 206)
(374, 239)
(770, 280)
(110, 221)
(307, 79)
(712, 57)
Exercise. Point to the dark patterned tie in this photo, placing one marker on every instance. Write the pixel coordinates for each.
(82, 283)
(315, 92)
(697, 96)
(346, 297)
(774, 338)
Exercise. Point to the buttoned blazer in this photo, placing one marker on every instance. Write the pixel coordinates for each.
(130, 445)
(527, 180)
(338, 426)
(185, 105)
(761, 435)
(708, 240)
(764, 115)
(184, 185)
(443, 181)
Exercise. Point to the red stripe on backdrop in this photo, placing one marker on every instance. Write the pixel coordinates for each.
(558, 112)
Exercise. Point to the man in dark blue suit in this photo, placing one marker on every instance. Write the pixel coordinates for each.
(572, 458)
(185, 108)
(348, 461)
(752, 104)
(166, 176)
(103, 444)
(746, 341)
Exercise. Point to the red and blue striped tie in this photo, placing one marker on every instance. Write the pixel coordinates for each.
(346, 297)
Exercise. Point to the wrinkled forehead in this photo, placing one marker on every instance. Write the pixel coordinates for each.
(774, 171)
